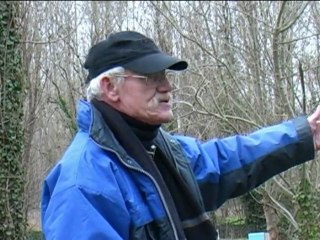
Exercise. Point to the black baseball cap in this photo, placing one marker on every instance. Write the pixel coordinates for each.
(130, 50)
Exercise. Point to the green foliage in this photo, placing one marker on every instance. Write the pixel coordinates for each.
(231, 227)
(255, 219)
(35, 235)
(63, 105)
(234, 220)
(308, 199)
(230, 220)
(12, 219)
(284, 225)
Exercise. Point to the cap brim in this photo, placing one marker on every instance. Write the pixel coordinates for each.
(155, 63)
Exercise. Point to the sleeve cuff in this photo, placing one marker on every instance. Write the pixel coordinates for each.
(305, 137)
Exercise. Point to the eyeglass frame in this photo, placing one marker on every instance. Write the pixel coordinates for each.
(163, 77)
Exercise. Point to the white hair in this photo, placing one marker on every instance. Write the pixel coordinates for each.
(94, 89)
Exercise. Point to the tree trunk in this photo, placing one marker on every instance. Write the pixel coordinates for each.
(12, 218)
(272, 219)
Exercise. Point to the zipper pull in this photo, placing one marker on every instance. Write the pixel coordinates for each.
(152, 151)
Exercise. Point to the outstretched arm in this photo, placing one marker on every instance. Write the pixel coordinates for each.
(228, 167)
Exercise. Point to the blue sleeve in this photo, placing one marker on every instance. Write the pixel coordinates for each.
(81, 214)
(228, 167)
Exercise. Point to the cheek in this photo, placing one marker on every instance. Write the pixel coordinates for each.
(146, 100)
(153, 102)
(139, 99)
(138, 103)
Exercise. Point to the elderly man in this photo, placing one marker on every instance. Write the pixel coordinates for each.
(124, 177)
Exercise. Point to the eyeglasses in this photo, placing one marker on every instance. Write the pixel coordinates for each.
(153, 78)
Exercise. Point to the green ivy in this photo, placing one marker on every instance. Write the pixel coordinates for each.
(254, 214)
(307, 199)
(12, 218)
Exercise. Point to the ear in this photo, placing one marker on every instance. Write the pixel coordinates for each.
(110, 91)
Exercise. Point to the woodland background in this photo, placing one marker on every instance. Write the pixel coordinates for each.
(251, 64)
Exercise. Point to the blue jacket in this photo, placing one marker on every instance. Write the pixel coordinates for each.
(96, 191)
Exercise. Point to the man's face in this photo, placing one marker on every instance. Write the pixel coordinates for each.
(146, 99)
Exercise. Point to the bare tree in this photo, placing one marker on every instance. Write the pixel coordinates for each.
(250, 64)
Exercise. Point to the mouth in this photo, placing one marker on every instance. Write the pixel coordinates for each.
(164, 100)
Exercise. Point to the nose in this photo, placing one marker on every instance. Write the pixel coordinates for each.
(164, 86)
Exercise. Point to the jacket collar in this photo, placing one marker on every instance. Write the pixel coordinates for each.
(90, 120)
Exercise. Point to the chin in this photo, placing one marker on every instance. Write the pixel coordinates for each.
(160, 120)
(157, 117)
(166, 119)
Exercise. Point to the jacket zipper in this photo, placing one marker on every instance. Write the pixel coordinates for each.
(155, 183)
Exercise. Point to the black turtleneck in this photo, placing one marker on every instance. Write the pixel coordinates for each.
(145, 132)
